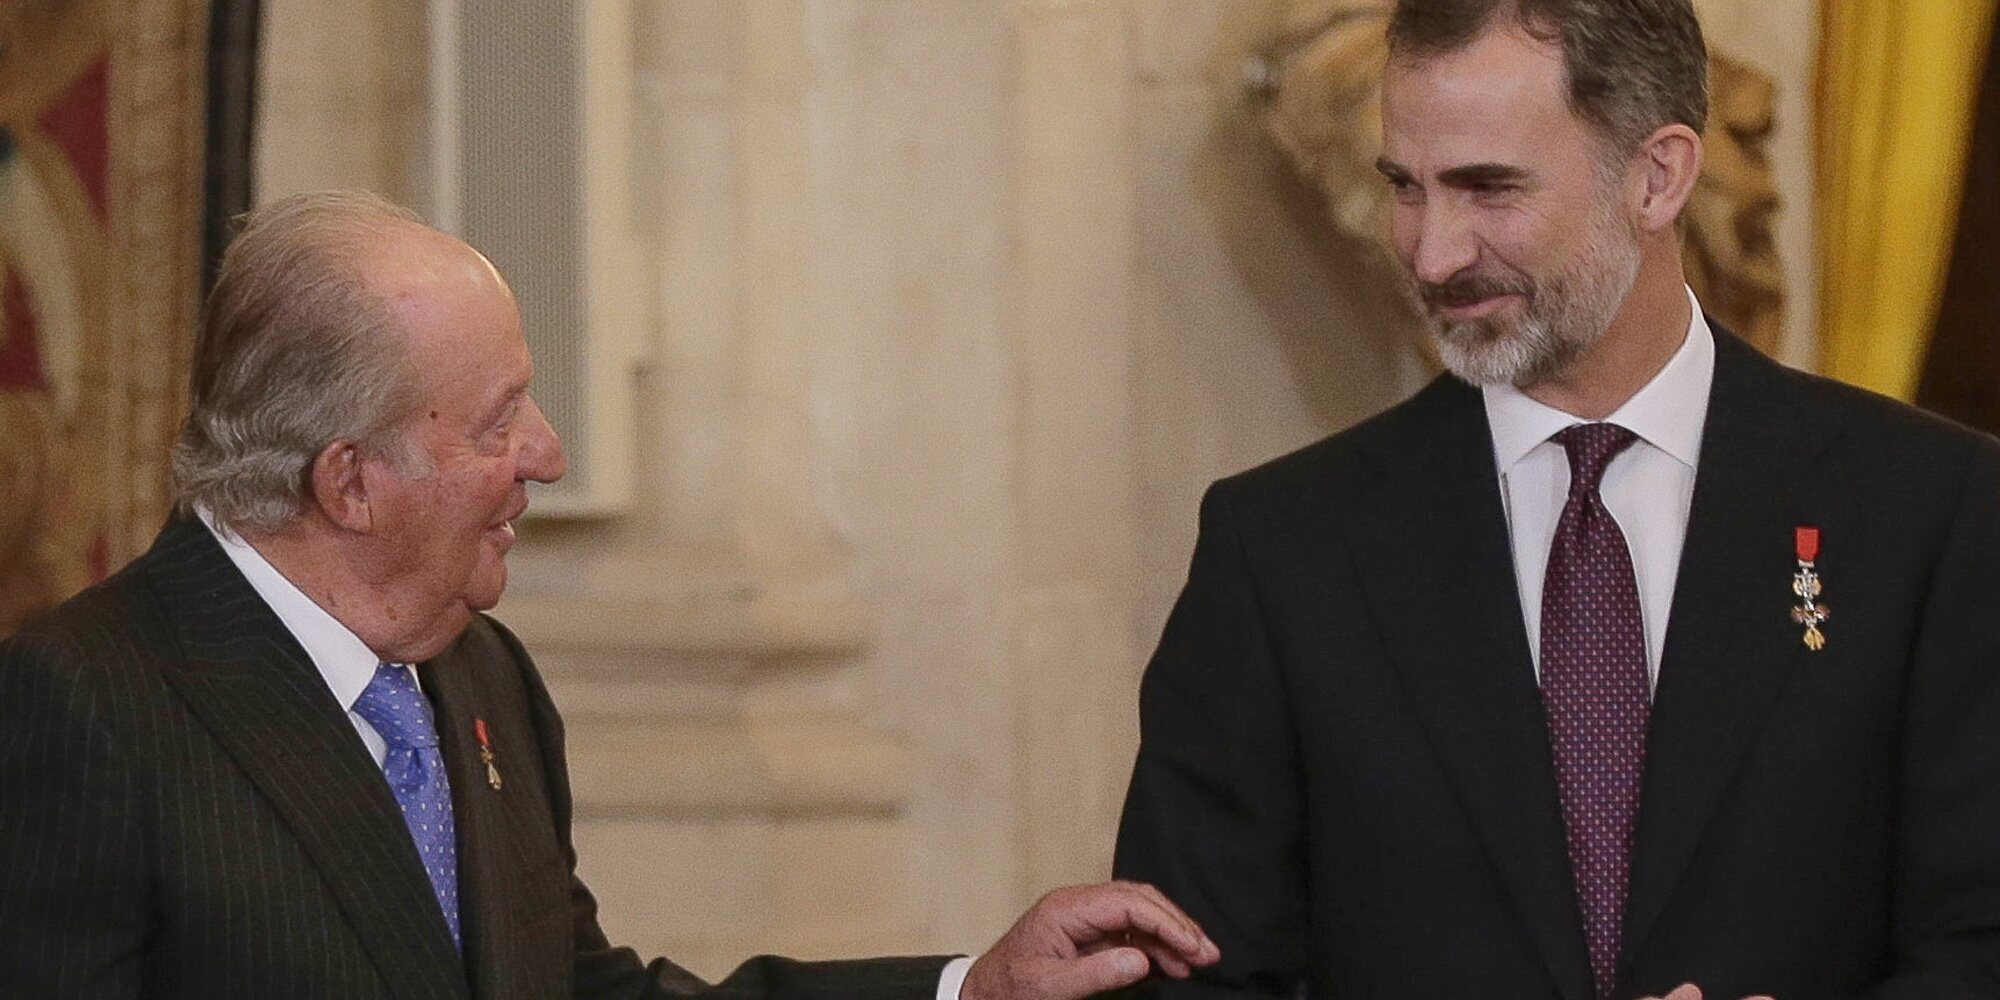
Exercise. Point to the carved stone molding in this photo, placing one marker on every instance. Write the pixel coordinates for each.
(606, 634)
(787, 768)
(703, 711)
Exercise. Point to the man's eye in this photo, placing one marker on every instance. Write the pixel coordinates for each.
(498, 432)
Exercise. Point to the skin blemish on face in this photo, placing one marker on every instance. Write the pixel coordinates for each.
(434, 414)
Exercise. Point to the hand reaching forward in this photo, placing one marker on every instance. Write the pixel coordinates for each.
(1689, 991)
(1089, 939)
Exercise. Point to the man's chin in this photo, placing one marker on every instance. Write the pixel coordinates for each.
(1481, 353)
(1486, 353)
(485, 599)
(488, 582)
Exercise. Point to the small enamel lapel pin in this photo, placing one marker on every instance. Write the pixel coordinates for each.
(486, 753)
(1806, 584)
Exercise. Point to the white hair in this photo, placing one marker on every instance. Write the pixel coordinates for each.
(295, 352)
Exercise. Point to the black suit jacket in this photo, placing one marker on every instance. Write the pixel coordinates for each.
(186, 811)
(1344, 772)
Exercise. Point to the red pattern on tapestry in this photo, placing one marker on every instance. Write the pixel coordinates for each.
(20, 348)
(76, 121)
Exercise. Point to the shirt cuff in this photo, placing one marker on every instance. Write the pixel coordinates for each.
(953, 978)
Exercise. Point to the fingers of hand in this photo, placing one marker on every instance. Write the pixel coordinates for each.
(1113, 969)
(1165, 957)
(1207, 951)
(1689, 991)
(1094, 913)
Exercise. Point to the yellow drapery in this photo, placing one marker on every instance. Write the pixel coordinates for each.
(1898, 91)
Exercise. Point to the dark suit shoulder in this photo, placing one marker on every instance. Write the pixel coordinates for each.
(1897, 461)
(125, 596)
(1885, 421)
(105, 638)
(1350, 460)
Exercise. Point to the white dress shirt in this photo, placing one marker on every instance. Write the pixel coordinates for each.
(344, 661)
(347, 664)
(1647, 488)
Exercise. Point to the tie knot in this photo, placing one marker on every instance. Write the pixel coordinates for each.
(398, 711)
(1591, 447)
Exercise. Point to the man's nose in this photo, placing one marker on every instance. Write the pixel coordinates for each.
(1445, 243)
(541, 456)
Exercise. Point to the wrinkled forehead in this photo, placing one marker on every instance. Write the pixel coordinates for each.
(1501, 98)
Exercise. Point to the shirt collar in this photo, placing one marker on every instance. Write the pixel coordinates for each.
(343, 659)
(1668, 413)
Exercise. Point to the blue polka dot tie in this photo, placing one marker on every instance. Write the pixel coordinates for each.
(1594, 691)
(415, 769)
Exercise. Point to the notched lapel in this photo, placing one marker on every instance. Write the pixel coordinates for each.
(1731, 642)
(498, 901)
(1438, 565)
(254, 689)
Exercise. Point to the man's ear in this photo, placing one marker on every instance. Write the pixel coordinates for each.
(1672, 160)
(340, 488)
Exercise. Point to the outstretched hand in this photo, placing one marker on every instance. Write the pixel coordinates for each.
(1089, 939)
(1689, 991)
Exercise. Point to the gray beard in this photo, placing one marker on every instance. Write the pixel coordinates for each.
(1565, 316)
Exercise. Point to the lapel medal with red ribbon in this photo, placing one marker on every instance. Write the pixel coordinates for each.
(486, 753)
(1806, 584)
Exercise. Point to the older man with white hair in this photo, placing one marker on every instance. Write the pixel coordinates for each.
(284, 754)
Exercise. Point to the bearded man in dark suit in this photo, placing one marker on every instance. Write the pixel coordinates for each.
(1528, 687)
(255, 763)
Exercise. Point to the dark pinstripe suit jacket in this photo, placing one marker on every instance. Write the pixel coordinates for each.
(185, 811)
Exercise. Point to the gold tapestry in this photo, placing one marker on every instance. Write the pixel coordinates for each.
(101, 106)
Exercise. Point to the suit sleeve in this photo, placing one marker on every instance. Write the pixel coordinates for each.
(605, 972)
(1213, 816)
(73, 896)
(1947, 889)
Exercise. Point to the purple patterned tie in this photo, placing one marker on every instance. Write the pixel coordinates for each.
(1594, 690)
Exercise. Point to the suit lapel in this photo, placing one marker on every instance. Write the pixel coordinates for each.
(495, 897)
(1434, 553)
(253, 687)
(1730, 640)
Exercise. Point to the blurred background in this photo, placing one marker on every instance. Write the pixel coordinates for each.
(894, 342)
